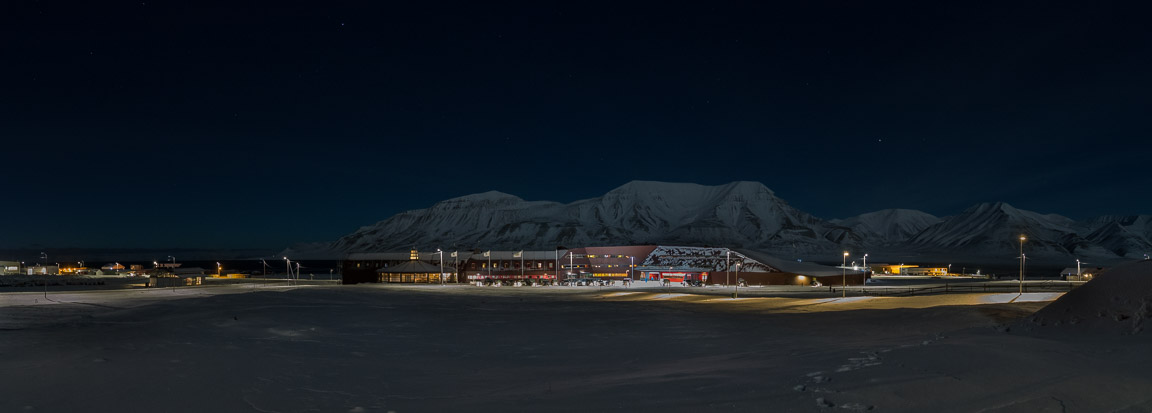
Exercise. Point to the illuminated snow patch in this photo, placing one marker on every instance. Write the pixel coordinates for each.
(1005, 298)
(668, 296)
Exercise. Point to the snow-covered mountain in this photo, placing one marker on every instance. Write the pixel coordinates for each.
(1125, 236)
(744, 215)
(889, 226)
(739, 214)
(993, 229)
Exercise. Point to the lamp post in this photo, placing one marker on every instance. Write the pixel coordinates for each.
(1022, 238)
(288, 275)
(1078, 276)
(438, 251)
(631, 268)
(737, 293)
(844, 276)
(727, 268)
(219, 269)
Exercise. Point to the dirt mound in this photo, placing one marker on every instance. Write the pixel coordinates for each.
(1116, 301)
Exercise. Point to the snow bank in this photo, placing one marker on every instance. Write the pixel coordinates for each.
(1117, 301)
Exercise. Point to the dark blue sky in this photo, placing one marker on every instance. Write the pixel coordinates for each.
(261, 124)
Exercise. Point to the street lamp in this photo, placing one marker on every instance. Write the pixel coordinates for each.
(1078, 276)
(737, 293)
(441, 276)
(1022, 238)
(631, 268)
(727, 268)
(844, 275)
(219, 268)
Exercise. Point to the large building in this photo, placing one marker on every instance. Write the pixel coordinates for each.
(672, 264)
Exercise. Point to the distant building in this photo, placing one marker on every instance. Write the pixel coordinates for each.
(1084, 273)
(43, 270)
(9, 267)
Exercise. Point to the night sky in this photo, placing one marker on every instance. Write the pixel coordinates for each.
(261, 124)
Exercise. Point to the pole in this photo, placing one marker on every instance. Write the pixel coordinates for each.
(456, 265)
(173, 259)
(1079, 277)
(1021, 264)
(727, 268)
(45, 257)
(737, 293)
(844, 276)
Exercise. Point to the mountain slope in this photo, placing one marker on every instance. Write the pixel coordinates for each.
(889, 226)
(993, 229)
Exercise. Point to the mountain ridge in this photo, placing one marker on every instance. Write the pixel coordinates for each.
(742, 214)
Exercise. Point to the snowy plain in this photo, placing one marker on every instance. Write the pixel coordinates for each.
(381, 348)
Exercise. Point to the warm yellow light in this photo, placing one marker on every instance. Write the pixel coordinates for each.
(845, 253)
(1022, 238)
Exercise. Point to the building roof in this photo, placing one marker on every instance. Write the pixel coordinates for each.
(796, 267)
(1089, 270)
(463, 255)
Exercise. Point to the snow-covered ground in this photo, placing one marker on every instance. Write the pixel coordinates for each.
(245, 348)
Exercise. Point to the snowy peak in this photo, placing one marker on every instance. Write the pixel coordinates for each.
(490, 197)
(689, 193)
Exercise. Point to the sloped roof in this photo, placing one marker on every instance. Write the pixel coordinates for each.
(795, 267)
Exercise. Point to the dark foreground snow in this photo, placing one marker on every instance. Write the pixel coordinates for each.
(458, 348)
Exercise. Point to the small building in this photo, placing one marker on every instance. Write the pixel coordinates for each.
(890, 269)
(1081, 274)
(415, 271)
(43, 270)
(9, 267)
(363, 267)
(925, 271)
